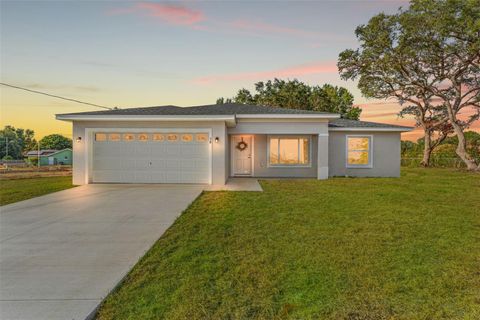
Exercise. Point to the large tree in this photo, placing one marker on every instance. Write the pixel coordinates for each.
(15, 141)
(55, 142)
(294, 94)
(428, 58)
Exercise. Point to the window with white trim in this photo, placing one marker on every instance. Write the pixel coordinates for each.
(100, 136)
(289, 151)
(359, 151)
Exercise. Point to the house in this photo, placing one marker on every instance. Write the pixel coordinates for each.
(210, 143)
(51, 157)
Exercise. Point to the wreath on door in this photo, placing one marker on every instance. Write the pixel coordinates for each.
(242, 145)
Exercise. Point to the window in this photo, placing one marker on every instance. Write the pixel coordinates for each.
(289, 151)
(172, 137)
(143, 137)
(114, 137)
(187, 137)
(201, 137)
(128, 137)
(359, 153)
(100, 137)
(158, 137)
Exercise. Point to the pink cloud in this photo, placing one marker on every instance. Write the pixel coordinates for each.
(170, 13)
(296, 71)
(258, 26)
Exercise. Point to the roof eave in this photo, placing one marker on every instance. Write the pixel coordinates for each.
(364, 129)
(290, 116)
(80, 117)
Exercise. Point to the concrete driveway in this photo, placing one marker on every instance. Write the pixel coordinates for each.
(62, 253)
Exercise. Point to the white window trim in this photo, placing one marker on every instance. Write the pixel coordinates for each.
(295, 136)
(370, 152)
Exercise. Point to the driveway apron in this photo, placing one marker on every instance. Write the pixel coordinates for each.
(62, 253)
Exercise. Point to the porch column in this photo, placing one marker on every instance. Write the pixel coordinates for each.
(322, 156)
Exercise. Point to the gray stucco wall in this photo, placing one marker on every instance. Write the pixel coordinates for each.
(386, 155)
(305, 126)
(260, 161)
(80, 150)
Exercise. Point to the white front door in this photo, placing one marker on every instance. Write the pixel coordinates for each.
(242, 155)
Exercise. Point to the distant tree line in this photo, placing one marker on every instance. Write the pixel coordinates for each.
(444, 154)
(294, 94)
(14, 142)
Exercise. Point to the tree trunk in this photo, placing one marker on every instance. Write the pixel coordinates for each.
(462, 144)
(462, 148)
(427, 150)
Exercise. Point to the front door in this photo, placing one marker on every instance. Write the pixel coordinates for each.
(242, 155)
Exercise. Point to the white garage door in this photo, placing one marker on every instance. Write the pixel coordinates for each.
(153, 157)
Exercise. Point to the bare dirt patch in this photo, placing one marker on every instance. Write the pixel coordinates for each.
(14, 172)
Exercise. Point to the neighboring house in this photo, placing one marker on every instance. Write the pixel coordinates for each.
(52, 157)
(208, 144)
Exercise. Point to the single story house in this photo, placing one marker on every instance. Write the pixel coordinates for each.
(210, 143)
(50, 157)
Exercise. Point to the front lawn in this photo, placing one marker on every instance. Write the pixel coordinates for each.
(21, 189)
(405, 248)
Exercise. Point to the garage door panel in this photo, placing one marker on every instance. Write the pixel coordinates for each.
(180, 159)
(127, 164)
(173, 177)
(172, 149)
(200, 177)
(143, 149)
(158, 176)
(201, 148)
(107, 163)
(187, 164)
(158, 164)
(127, 176)
(142, 164)
(188, 150)
(201, 164)
(172, 164)
(157, 150)
(110, 149)
(109, 176)
(142, 177)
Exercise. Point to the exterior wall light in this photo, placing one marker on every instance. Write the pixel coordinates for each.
(217, 139)
(79, 139)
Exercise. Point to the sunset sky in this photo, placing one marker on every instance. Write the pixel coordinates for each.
(130, 54)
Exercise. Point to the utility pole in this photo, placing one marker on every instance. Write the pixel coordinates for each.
(6, 151)
(38, 155)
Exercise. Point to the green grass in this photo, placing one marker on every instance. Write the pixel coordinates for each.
(344, 248)
(22, 189)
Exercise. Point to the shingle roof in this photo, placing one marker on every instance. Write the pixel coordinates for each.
(42, 152)
(347, 123)
(228, 109)
(213, 109)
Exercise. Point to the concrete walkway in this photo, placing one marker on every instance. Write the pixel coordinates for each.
(237, 184)
(62, 253)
